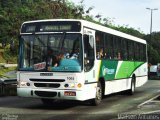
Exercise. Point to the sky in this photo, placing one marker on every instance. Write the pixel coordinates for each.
(131, 13)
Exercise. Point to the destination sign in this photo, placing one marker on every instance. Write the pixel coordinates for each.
(56, 28)
(30, 28)
(51, 26)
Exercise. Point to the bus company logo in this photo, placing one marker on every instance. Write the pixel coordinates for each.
(46, 74)
(108, 71)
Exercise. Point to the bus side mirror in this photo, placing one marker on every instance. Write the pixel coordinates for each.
(86, 61)
(85, 55)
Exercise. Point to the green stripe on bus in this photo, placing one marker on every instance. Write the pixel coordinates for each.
(127, 68)
(99, 68)
(109, 70)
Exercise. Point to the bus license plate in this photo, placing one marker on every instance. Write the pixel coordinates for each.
(69, 93)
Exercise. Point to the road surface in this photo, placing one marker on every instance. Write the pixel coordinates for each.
(115, 106)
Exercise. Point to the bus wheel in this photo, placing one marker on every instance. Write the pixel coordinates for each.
(47, 102)
(133, 86)
(97, 100)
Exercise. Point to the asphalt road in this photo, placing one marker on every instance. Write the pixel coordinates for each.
(115, 106)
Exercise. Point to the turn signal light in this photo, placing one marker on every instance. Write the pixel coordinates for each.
(79, 85)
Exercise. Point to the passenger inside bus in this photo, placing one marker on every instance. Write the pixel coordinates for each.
(119, 56)
(54, 60)
(100, 54)
(59, 57)
(75, 54)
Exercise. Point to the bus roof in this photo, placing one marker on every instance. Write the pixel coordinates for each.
(96, 27)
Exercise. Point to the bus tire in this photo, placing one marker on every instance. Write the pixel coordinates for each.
(131, 91)
(47, 102)
(97, 100)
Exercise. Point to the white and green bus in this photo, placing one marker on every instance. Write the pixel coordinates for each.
(78, 60)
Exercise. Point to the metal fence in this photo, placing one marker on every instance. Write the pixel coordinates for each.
(8, 87)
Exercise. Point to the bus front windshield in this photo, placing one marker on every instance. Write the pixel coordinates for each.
(51, 52)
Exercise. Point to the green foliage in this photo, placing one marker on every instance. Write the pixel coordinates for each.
(9, 56)
(129, 30)
(14, 12)
(3, 71)
(153, 41)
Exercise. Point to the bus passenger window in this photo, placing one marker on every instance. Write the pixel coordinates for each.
(109, 46)
(124, 54)
(99, 44)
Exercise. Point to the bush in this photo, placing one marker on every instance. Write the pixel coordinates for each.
(9, 56)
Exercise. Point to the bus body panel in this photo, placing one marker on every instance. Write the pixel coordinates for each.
(46, 84)
(88, 92)
(117, 74)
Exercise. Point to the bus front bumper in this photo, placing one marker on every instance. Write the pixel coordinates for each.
(80, 95)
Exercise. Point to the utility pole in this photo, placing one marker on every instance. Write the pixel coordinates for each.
(150, 36)
(151, 20)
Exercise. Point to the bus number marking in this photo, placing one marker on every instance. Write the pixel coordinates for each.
(70, 78)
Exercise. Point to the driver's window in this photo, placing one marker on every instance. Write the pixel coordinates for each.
(88, 52)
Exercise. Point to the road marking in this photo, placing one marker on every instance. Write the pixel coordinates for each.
(155, 101)
(147, 101)
(151, 112)
(125, 116)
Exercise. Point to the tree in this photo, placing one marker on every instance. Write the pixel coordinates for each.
(14, 12)
(153, 47)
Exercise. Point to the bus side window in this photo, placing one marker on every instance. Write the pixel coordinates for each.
(124, 49)
(88, 52)
(99, 45)
(136, 51)
(144, 53)
(108, 51)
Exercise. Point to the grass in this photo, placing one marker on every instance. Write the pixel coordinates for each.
(2, 60)
(3, 71)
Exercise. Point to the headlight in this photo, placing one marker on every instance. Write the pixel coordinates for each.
(69, 85)
(23, 84)
(73, 85)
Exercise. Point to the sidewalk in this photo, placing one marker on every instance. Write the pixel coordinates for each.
(7, 65)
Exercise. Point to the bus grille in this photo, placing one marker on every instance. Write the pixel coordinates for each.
(45, 94)
(47, 80)
(50, 85)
